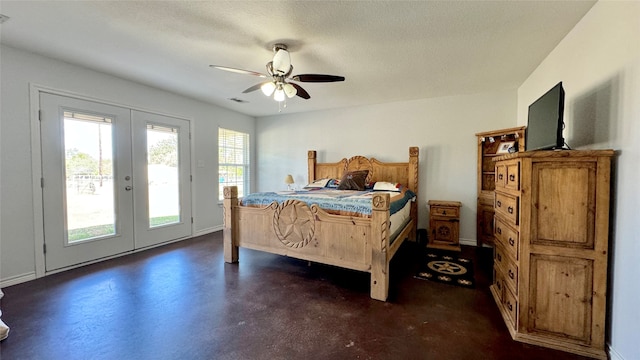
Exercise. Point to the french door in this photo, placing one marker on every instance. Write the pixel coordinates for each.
(114, 179)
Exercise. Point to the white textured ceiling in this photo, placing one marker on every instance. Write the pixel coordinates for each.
(387, 50)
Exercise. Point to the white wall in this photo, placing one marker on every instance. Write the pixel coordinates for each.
(443, 128)
(17, 70)
(599, 64)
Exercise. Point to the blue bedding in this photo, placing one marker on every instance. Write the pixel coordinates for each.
(332, 200)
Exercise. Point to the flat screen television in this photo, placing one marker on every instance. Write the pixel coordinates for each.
(546, 121)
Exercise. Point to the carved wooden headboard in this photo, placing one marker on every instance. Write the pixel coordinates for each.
(405, 173)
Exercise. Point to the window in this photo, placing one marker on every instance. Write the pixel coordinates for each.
(233, 161)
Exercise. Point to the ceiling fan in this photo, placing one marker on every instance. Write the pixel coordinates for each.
(281, 82)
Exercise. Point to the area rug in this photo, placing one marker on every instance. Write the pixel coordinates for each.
(448, 268)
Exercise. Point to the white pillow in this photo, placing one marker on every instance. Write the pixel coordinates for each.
(386, 186)
(320, 183)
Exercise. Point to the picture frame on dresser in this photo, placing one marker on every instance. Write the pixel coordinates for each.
(505, 147)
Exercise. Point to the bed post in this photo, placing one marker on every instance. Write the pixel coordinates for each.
(413, 185)
(379, 246)
(230, 225)
(311, 165)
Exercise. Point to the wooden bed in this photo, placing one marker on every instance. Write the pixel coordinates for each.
(358, 243)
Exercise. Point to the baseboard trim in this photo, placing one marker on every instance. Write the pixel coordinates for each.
(614, 355)
(468, 242)
(208, 230)
(18, 279)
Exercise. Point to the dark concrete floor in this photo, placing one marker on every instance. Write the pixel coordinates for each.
(181, 301)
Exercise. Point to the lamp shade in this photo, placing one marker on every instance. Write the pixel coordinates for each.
(281, 61)
(268, 88)
(289, 90)
(288, 179)
(278, 95)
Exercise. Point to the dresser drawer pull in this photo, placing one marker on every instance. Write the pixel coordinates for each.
(512, 177)
(498, 203)
(499, 285)
(500, 177)
(509, 306)
(499, 231)
(511, 241)
(511, 274)
(510, 209)
(499, 257)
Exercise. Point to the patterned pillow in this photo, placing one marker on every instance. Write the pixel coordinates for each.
(333, 183)
(353, 180)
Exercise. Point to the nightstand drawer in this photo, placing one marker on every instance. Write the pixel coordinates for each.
(442, 208)
(445, 211)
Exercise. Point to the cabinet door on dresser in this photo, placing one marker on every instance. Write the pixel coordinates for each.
(564, 265)
(485, 221)
(560, 297)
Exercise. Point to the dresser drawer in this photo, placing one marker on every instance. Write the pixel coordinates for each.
(501, 175)
(507, 237)
(508, 267)
(507, 206)
(512, 178)
(508, 175)
(498, 282)
(511, 306)
(500, 257)
(511, 276)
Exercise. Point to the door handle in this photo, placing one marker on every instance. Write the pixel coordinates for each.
(128, 188)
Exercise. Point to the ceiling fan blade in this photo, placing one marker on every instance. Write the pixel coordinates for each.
(301, 92)
(281, 61)
(253, 88)
(317, 78)
(239, 71)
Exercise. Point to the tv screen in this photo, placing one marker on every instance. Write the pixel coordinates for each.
(546, 121)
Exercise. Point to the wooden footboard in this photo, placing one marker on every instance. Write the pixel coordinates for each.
(310, 233)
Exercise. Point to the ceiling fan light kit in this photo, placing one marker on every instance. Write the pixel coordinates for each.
(279, 70)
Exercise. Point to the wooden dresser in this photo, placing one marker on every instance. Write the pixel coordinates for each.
(551, 247)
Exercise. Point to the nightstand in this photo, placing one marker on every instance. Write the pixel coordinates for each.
(444, 225)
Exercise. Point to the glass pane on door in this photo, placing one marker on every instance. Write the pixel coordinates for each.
(163, 175)
(90, 201)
